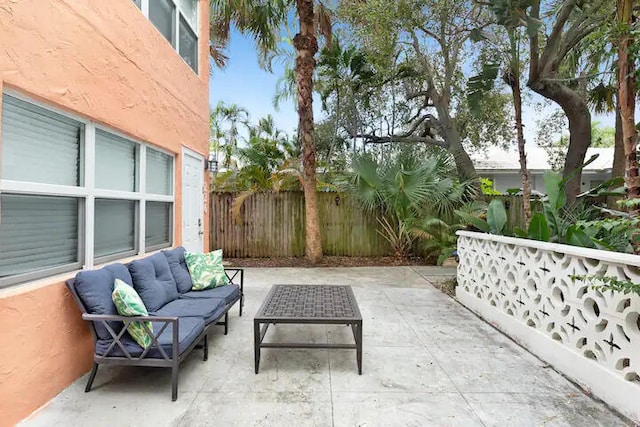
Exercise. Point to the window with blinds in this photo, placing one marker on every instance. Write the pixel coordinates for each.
(116, 168)
(39, 145)
(159, 176)
(158, 224)
(37, 233)
(46, 204)
(115, 228)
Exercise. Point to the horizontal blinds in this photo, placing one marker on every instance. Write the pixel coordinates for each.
(114, 227)
(159, 172)
(39, 145)
(116, 162)
(158, 224)
(37, 233)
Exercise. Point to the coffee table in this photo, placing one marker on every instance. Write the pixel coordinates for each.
(308, 304)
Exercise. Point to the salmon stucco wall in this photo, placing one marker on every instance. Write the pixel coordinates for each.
(102, 60)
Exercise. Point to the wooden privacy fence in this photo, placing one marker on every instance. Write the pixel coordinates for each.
(271, 224)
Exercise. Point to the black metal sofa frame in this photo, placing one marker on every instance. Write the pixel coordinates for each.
(235, 275)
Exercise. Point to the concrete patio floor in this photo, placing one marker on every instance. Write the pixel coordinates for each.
(427, 362)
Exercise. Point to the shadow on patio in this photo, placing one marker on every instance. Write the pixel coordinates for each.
(427, 361)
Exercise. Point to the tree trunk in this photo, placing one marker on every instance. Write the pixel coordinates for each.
(617, 169)
(464, 165)
(626, 96)
(514, 81)
(306, 46)
(577, 111)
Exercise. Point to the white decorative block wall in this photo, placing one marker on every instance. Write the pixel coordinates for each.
(525, 288)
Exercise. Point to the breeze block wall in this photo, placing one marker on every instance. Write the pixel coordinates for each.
(542, 295)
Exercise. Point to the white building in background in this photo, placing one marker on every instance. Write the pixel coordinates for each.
(503, 167)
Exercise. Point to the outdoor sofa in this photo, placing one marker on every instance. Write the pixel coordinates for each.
(180, 318)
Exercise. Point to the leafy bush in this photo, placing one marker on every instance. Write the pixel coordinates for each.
(411, 189)
(486, 185)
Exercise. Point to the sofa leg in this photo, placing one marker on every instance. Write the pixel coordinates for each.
(206, 348)
(226, 323)
(241, 303)
(174, 381)
(92, 376)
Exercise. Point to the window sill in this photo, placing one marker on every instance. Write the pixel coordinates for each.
(30, 286)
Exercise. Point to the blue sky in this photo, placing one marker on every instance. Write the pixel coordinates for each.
(244, 83)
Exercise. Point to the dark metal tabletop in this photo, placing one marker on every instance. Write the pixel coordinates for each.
(312, 303)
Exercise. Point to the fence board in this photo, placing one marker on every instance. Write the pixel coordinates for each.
(271, 224)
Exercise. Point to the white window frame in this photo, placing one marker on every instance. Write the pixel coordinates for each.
(175, 37)
(87, 193)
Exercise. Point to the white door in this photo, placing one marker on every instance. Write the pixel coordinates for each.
(192, 205)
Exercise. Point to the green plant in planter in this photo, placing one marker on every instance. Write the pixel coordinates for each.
(496, 218)
(557, 222)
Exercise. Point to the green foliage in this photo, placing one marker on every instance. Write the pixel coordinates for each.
(601, 282)
(561, 223)
(629, 203)
(486, 185)
(407, 188)
(436, 237)
(539, 228)
(577, 237)
(496, 216)
(397, 235)
(614, 234)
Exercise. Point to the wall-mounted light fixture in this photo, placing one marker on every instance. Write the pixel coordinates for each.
(337, 199)
(211, 164)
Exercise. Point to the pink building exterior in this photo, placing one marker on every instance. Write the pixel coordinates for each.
(84, 77)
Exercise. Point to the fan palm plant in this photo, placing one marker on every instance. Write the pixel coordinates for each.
(406, 189)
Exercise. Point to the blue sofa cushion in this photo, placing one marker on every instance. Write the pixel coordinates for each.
(179, 269)
(153, 281)
(208, 309)
(188, 330)
(94, 288)
(228, 293)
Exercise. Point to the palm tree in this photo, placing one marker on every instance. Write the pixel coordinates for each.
(342, 72)
(627, 98)
(263, 21)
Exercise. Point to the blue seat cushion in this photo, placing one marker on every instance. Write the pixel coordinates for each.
(228, 293)
(208, 309)
(153, 281)
(188, 330)
(179, 269)
(94, 287)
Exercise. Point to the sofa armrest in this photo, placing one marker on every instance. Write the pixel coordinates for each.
(127, 319)
(235, 276)
(117, 336)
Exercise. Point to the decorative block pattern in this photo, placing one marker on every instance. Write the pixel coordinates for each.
(310, 301)
(535, 286)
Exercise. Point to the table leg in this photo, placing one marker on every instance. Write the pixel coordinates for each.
(256, 344)
(359, 346)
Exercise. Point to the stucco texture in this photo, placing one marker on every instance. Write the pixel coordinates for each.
(102, 60)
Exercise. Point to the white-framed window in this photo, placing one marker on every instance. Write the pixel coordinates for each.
(177, 21)
(74, 193)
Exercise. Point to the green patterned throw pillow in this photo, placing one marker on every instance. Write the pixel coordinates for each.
(206, 270)
(128, 303)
